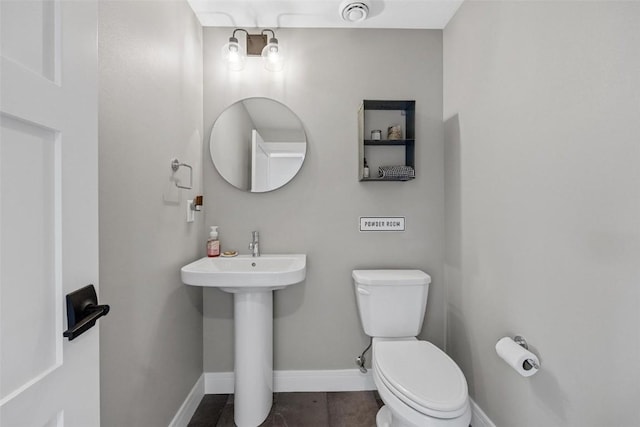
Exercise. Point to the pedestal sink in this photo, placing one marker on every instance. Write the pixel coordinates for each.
(252, 281)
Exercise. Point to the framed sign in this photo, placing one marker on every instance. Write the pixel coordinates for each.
(382, 223)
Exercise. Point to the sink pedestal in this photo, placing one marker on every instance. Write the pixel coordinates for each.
(253, 360)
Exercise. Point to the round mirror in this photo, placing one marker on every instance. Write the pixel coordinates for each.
(258, 144)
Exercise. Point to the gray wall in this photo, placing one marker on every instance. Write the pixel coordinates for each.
(327, 75)
(541, 103)
(150, 58)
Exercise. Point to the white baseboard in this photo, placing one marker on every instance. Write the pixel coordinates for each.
(335, 380)
(287, 381)
(190, 404)
(478, 417)
(218, 382)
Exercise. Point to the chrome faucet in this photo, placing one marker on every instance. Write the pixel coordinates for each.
(255, 244)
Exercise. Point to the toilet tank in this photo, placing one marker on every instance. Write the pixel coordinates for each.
(391, 303)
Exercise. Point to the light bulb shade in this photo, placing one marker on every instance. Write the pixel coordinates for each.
(271, 56)
(233, 55)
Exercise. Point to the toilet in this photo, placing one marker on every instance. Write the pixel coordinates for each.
(420, 385)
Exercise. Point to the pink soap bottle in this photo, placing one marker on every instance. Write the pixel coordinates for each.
(213, 244)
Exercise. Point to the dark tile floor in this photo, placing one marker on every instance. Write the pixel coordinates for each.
(321, 409)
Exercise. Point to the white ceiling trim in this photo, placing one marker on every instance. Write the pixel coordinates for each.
(410, 14)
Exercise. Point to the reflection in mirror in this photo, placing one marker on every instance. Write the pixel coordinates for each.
(258, 144)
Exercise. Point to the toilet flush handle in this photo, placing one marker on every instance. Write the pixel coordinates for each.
(363, 291)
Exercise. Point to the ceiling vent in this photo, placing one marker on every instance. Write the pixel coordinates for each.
(354, 11)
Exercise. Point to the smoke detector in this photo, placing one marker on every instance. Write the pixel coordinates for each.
(354, 11)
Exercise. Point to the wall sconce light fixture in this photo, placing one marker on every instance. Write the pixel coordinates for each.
(256, 45)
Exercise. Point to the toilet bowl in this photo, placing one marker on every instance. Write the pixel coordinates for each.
(420, 385)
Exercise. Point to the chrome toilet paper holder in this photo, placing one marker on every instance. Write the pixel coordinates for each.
(529, 363)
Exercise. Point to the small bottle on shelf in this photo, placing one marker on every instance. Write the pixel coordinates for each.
(365, 169)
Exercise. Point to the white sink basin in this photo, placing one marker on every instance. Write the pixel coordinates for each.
(246, 273)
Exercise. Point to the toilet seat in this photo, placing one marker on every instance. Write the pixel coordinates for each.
(422, 376)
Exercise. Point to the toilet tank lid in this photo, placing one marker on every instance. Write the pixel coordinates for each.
(391, 277)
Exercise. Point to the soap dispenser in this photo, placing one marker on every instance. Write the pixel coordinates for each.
(213, 244)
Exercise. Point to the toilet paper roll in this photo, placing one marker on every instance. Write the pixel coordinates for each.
(517, 357)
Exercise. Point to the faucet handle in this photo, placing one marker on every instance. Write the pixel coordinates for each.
(255, 236)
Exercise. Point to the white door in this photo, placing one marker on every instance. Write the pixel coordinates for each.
(48, 210)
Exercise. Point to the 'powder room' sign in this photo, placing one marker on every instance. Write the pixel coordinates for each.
(381, 223)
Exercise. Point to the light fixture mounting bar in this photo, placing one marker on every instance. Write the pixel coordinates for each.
(255, 44)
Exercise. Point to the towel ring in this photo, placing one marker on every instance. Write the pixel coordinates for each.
(175, 165)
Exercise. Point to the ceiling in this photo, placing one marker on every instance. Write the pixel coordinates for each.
(412, 14)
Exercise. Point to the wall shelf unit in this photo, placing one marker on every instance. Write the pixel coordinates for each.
(380, 115)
